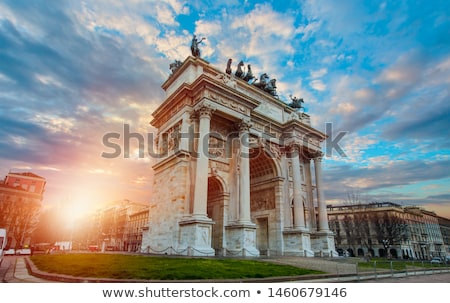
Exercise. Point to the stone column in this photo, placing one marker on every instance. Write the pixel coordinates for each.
(184, 132)
(244, 173)
(201, 173)
(299, 218)
(323, 217)
(309, 193)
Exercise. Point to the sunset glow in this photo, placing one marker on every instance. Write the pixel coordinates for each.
(76, 71)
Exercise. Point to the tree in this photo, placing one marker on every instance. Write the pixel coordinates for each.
(356, 225)
(390, 230)
(357, 229)
(20, 214)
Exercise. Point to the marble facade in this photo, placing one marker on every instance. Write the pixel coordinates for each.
(239, 173)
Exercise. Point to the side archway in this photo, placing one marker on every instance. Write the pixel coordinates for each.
(216, 211)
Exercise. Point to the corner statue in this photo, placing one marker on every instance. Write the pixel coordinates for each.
(195, 50)
(296, 103)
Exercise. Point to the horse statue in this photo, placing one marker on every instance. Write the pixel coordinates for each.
(174, 66)
(263, 80)
(195, 50)
(271, 87)
(249, 76)
(228, 69)
(239, 71)
(296, 103)
(267, 85)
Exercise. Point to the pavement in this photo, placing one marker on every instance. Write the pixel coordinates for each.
(14, 270)
(19, 269)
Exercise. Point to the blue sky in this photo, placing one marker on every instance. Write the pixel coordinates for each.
(378, 71)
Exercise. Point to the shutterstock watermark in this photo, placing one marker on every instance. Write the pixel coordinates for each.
(332, 143)
(215, 144)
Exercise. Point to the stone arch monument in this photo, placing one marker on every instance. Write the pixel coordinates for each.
(234, 172)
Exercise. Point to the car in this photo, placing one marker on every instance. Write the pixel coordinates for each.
(436, 260)
(93, 248)
(10, 252)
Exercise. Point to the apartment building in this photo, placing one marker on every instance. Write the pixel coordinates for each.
(386, 229)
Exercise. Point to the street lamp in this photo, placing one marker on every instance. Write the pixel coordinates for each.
(386, 246)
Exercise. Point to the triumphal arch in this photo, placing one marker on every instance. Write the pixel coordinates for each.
(238, 172)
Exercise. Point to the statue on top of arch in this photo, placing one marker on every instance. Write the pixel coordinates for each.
(195, 50)
(265, 83)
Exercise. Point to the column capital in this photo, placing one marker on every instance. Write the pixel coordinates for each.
(244, 125)
(294, 148)
(204, 110)
(318, 157)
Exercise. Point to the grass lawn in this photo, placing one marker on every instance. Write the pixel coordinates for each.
(161, 268)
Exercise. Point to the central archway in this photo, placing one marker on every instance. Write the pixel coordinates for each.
(264, 196)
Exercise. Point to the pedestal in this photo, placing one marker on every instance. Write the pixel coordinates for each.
(241, 240)
(323, 244)
(297, 243)
(195, 237)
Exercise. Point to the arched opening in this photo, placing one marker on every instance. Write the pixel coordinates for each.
(360, 252)
(393, 253)
(215, 211)
(262, 197)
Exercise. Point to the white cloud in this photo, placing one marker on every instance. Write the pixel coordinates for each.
(308, 30)
(319, 73)
(54, 123)
(165, 15)
(318, 85)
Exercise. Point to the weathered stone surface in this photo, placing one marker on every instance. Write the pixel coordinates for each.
(226, 185)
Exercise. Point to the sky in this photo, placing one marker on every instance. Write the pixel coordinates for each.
(377, 72)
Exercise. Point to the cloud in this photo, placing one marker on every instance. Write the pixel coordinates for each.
(343, 178)
(73, 71)
(318, 85)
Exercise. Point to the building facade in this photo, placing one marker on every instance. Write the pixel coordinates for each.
(386, 230)
(112, 224)
(21, 196)
(237, 172)
(137, 224)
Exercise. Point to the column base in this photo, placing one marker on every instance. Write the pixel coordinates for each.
(323, 244)
(195, 236)
(297, 242)
(241, 240)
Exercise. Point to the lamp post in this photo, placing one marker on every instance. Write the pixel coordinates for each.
(386, 247)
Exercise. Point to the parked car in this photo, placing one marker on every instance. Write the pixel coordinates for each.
(10, 252)
(436, 260)
(93, 248)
